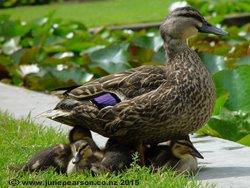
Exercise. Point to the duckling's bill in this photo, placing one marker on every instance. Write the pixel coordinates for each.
(76, 158)
(196, 153)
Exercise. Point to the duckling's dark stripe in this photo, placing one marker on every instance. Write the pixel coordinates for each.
(83, 147)
(185, 144)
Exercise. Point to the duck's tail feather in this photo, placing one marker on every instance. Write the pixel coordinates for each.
(52, 114)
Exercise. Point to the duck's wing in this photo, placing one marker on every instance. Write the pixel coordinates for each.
(125, 85)
(116, 101)
(130, 116)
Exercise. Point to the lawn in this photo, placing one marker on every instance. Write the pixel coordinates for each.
(22, 138)
(96, 13)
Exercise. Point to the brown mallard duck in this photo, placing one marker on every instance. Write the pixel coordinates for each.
(148, 104)
(179, 155)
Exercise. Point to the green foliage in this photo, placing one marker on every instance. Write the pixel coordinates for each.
(220, 7)
(20, 140)
(58, 53)
(230, 125)
(237, 83)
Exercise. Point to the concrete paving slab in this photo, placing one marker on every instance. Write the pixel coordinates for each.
(226, 164)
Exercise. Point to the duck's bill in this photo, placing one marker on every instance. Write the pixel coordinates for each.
(76, 158)
(208, 28)
(197, 154)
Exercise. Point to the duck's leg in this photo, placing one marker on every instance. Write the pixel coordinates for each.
(141, 151)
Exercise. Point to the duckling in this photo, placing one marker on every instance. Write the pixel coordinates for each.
(83, 156)
(56, 157)
(113, 158)
(179, 155)
(116, 157)
(80, 133)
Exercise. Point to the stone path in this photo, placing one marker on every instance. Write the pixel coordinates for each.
(226, 164)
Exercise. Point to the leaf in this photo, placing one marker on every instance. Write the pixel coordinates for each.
(49, 78)
(237, 83)
(151, 42)
(10, 29)
(206, 130)
(220, 101)
(214, 63)
(231, 125)
(111, 59)
(245, 140)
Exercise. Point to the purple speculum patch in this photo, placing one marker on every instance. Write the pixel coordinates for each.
(106, 99)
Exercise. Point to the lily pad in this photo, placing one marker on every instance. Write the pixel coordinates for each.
(237, 83)
(231, 125)
(111, 59)
(214, 63)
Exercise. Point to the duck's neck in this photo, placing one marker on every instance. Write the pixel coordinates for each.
(174, 46)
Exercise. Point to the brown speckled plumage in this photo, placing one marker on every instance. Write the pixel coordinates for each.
(157, 102)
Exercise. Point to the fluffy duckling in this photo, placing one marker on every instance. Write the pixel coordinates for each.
(56, 157)
(180, 155)
(60, 156)
(83, 156)
(113, 158)
(80, 133)
(116, 157)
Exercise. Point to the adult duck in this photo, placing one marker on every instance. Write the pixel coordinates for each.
(149, 104)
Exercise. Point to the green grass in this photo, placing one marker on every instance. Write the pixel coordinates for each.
(96, 13)
(21, 138)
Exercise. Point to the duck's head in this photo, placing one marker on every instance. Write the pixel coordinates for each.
(81, 150)
(78, 133)
(185, 22)
(184, 147)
